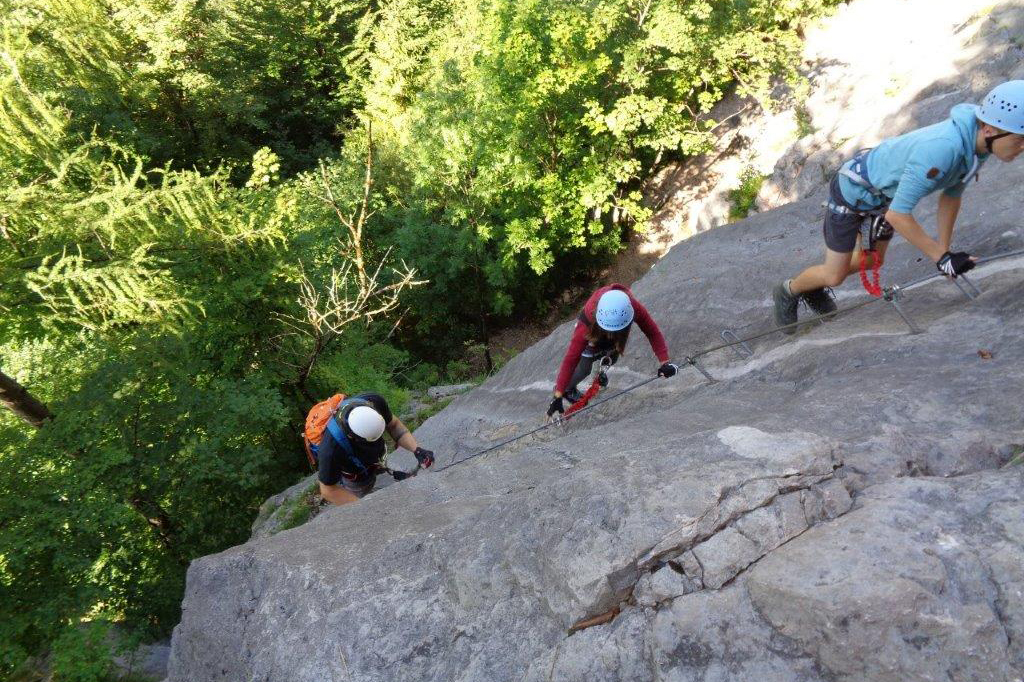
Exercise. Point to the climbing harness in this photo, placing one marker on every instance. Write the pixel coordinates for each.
(595, 387)
(876, 229)
(892, 294)
(323, 417)
(856, 170)
(872, 231)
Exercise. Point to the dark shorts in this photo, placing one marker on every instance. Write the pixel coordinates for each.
(841, 229)
(359, 486)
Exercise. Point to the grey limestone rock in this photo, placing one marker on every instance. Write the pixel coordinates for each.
(775, 525)
(148, 662)
(438, 392)
(278, 511)
(905, 587)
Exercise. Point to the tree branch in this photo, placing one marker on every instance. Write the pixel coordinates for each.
(353, 291)
(22, 403)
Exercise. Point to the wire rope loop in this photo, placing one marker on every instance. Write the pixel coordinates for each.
(735, 343)
(891, 293)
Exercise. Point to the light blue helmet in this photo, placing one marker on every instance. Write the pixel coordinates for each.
(614, 310)
(1004, 107)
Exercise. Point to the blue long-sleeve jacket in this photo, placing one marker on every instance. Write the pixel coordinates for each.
(910, 167)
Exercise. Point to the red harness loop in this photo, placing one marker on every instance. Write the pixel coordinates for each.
(582, 402)
(873, 288)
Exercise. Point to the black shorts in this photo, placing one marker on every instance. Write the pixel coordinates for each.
(841, 229)
(359, 486)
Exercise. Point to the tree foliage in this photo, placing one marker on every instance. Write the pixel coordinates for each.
(525, 127)
(145, 305)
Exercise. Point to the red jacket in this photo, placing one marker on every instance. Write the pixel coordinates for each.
(579, 334)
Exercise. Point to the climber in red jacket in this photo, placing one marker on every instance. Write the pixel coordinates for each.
(601, 332)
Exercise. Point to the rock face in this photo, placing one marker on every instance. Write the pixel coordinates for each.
(277, 512)
(955, 52)
(836, 508)
(833, 508)
(148, 662)
(860, 93)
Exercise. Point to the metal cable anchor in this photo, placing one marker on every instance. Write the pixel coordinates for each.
(894, 294)
(970, 291)
(729, 336)
(696, 365)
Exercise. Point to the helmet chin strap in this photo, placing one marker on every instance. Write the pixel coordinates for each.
(989, 139)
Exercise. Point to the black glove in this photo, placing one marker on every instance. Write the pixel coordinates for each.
(424, 457)
(400, 475)
(556, 406)
(602, 379)
(668, 370)
(955, 263)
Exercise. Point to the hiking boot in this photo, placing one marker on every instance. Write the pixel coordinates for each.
(572, 395)
(785, 307)
(821, 301)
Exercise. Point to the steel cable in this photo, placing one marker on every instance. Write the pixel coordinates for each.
(722, 346)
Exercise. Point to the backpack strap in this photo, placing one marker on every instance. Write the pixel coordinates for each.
(337, 432)
(856, 170)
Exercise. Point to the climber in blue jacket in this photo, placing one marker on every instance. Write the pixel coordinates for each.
(876, 191)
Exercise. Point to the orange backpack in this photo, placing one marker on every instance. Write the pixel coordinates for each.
(316, 424)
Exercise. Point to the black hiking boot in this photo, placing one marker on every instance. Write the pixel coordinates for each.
(572, 395)
(821, 301)
(785, 307)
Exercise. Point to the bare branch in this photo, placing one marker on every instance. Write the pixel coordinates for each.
(354, 291)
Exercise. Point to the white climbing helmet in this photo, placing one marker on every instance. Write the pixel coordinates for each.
(366, 422)
(1004, 107)
(614, 310)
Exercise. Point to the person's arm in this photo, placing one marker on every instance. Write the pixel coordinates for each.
(907, 225)
(651, 330)
(929, 163)
(404, 439)
(949, 209)
(402, 435)
(572, 356)
(335, 494)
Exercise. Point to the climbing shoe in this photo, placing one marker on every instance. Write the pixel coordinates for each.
(572, 395)
(785, 307)
(820, 301)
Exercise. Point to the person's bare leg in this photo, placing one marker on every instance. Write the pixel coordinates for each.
(880, 248)
(837, 267)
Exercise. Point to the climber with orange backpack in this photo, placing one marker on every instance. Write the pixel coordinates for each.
(344, 442)
(875, 193)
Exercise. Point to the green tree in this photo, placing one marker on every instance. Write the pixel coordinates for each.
(190, 83)
(154, 313)
(527, 128)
